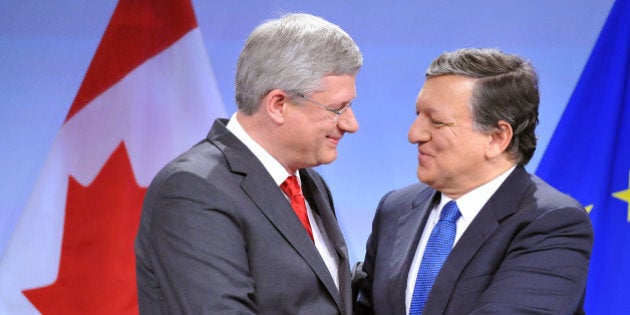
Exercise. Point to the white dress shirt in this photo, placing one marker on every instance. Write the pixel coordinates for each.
(279, 174)
(469, 206)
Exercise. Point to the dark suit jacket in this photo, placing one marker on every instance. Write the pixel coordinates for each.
(527, 251)
(217, 236)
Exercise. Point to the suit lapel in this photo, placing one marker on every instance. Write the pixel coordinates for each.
(272, 203)
(410, 227)
(502, 204)
(317, 195)
(474, 237)
(260, 187)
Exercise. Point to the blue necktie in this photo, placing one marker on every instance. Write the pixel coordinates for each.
(438, 247)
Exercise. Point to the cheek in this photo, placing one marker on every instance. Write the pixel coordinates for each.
(443, 146)
(471, 152)
(474, 141)
(449, 153)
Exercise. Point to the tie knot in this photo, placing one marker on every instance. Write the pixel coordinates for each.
(450, 212)
(291, 187)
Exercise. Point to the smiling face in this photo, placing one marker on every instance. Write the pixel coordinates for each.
(452, 154)
(311, 133)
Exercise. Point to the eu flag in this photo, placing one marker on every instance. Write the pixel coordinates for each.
(589, 158)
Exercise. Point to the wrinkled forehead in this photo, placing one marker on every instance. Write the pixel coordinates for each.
(448, 91)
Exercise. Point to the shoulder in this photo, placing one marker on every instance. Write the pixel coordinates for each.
(200, 172)
(409, 191)
(403, 200)
(556, 207)
(539, 198)
(200, 160)
(548, 197)
(529, 196)
(543, 207)
(210, 155)
(408, 194)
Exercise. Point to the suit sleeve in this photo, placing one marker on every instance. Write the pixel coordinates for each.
(545, 268)
(197, 251)
(362, 286)
(363, 275)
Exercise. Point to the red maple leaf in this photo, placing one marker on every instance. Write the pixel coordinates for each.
(97, 266)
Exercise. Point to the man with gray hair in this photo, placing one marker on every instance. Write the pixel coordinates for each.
(479, 234)
(240, 223)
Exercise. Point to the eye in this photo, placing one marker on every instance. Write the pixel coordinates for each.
(437, 123)
(341, 108)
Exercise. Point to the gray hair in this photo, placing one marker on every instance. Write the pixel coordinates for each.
(506, 89)
(292, 53)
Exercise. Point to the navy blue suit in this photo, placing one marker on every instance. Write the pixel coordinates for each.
(527, 251)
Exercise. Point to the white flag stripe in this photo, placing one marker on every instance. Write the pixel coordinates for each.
(153, 109)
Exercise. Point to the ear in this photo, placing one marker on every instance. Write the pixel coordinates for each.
(274, 104)
(499, 139)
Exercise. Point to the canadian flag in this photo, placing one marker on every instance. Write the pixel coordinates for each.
(148, 95)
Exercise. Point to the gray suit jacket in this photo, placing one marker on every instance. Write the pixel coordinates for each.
(526, 252)
(218, 236)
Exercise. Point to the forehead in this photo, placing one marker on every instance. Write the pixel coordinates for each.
(446, 92)
(338, 84)
(338, 87)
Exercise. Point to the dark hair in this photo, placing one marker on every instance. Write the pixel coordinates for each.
(506, 88)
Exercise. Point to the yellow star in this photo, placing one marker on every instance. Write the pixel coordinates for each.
(625, 196)
(589, 208)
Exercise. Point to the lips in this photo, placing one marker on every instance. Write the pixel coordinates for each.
(423, 154)
(334, 139)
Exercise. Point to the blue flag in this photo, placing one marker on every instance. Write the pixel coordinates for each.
(589, 158)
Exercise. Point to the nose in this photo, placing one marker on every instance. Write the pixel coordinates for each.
(418, 131)
(348, 122)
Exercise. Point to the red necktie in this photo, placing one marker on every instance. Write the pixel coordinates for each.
(291, 187)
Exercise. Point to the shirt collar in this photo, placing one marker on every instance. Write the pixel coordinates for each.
(471, 203)
(275, 169)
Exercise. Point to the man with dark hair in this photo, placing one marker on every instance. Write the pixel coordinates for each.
(479, 234)
(240, 223)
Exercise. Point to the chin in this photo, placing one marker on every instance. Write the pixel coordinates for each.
(326, 161)
(422, 176)
(328, 158)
